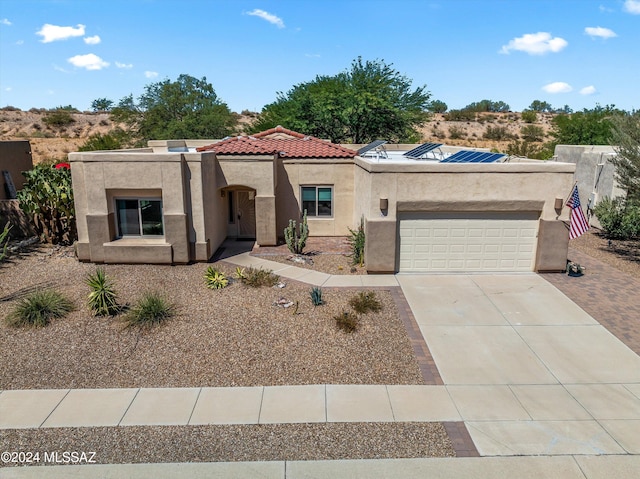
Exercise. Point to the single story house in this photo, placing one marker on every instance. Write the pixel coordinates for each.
(178, 200)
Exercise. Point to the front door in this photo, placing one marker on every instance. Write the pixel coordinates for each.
(245, 212)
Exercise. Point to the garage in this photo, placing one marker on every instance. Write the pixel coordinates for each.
(467, 241)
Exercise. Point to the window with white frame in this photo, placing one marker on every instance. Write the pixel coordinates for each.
(139, 217)
(317, 200)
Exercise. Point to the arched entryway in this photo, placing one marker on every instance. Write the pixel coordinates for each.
(241, 212)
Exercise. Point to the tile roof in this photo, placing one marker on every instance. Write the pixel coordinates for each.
(279, 140)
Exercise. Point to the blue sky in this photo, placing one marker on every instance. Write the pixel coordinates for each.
(70, 52)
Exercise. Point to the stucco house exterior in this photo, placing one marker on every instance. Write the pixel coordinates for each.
(178, 200)
(595, 174)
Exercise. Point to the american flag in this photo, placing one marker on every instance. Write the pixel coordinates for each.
(578, 224)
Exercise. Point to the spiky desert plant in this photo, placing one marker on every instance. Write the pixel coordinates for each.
(215, 279)
(316, 296)
(296, 238)
(153, 308)
(240, 273)
(4, 242)
(364, 302)
(356, 240)
(39, 308)
(103, 300)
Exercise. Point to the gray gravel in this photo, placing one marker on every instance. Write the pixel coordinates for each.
(230, 337)
(269, 442)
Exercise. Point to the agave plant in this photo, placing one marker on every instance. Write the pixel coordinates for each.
(102, 299)
(215, 279)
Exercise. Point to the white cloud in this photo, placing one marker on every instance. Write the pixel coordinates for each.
(5, 21)
(8, 88)
(150, 74)
(604, 9)
(588, 90)
(88, 61)
(557, 87)
(124, 65)
(20, 42)
(269, 17)
(600, 32)
(94, 40)
(535, 44)
(312, 55)
(51, 33)
(632, 6)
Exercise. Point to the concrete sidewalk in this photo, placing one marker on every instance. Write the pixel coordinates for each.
(561, 467)
(315, 278)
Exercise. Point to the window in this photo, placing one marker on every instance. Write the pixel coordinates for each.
(138, 217)
(317, 200)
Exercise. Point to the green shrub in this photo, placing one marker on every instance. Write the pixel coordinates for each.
(295, 239)
(460, 115)
(619, 219)
(215, 279)
(114, 140)
(532, 133)
(497, 133)
(102, 299)
(356, 240)
(316, 296)
(4, 242)
(456, 133)
(529, 116)
(150, 310)
(347, 321)
(256, 277)
(58, 118)
(39, 308)
(364, 302)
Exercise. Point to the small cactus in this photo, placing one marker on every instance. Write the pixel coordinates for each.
(295, 239)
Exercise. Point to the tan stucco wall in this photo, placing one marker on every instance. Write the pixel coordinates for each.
(462, 187)
(100, 177)
(336, 173)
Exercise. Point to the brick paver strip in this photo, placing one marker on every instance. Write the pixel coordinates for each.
(460, 439)
(608, 295)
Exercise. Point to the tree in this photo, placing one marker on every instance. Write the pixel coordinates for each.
(626, 141)
(186, 108)
(532, 133)
(540, 106)
(47, 199)
(587, 127)
(367, 102)
(101, 104)
(483, 106)
(438, 106)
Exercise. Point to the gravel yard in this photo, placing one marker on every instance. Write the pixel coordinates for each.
(230, 337)
(622, 255)
(265, 442)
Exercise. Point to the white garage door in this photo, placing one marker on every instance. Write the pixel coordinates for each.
(459, 242)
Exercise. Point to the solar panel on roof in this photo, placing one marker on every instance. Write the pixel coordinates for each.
(418, 151)
(467, 156)
(371, 146)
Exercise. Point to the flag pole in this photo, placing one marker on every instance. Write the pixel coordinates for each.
(571, 192)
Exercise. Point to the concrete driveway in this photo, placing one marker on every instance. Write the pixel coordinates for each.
(528, 370)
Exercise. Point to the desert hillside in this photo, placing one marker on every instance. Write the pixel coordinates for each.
(50, 141)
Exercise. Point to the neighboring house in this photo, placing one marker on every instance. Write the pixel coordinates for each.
(178, 200)
(595, 174)
(15, 157)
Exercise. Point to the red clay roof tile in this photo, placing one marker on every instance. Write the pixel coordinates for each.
(279, 140)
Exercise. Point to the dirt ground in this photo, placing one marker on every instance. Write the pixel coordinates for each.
(56, 143)
(622, 255)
